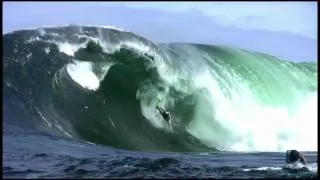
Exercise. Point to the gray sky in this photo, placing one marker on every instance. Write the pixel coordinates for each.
(284, 29)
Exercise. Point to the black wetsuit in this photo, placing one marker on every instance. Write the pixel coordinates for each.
(165, 115)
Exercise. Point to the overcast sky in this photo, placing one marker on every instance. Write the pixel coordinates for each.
(285, 29)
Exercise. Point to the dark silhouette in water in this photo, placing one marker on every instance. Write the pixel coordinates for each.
(165, 115)
(294, 156)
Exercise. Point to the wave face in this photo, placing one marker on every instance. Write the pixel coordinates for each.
(102, 85)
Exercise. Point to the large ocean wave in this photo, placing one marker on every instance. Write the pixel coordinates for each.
(102, 85)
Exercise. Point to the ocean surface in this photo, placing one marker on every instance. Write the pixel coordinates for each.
(79, 102)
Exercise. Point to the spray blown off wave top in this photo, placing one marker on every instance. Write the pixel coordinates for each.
(102, 85)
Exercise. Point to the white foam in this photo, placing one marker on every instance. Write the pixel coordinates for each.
(89, 143)
(150, 113)
(47, 50)
(107, 27)
(32, 39)
(54, 34)
(64, 132)
(136, 45)
(63, 46)
(81, 72)
(111, 48)
(313, 167)
(94, 39)
(68, 48)
(230, 117)
(42, 31)
(249, 125)
(29, 55)
(264, 168)
(43, 118)
(67, 25)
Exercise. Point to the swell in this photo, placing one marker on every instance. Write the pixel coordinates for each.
(58, 105)
(101, 85)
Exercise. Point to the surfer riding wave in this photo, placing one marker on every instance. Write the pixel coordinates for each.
(165, 114)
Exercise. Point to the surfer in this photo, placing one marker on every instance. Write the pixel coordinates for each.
(149, 56)
(165, 115)
(294, 157)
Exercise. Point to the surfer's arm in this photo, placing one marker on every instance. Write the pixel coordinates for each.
(160, 109)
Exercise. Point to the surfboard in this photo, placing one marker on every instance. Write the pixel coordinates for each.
(170, 126)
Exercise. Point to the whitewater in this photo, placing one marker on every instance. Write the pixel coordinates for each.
(232, 100)
(100, 86)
